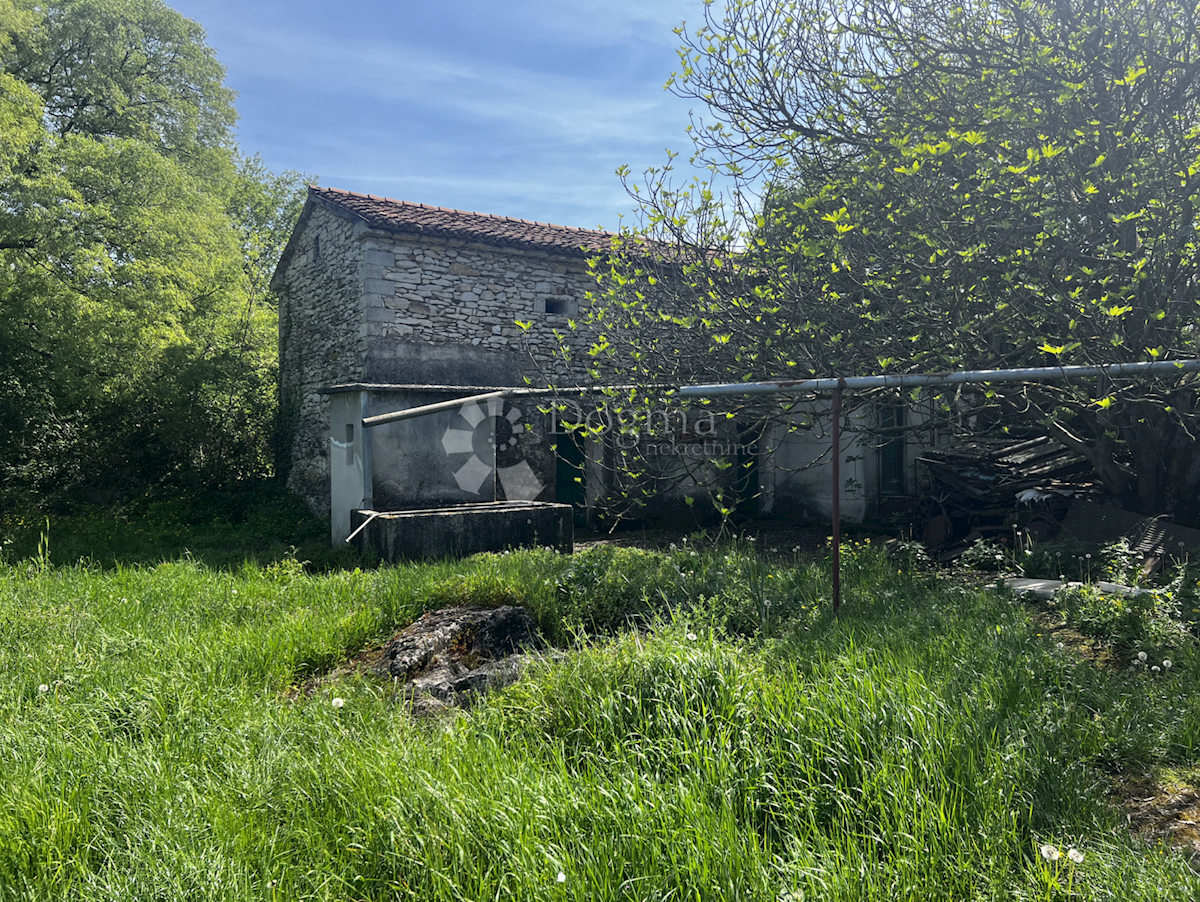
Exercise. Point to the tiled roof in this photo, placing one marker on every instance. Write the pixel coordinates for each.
(503, 231)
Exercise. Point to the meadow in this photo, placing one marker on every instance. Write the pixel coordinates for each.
(711, 731)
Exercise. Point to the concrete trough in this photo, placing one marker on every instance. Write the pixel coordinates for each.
(464, 529)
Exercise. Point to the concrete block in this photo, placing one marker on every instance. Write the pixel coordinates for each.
(379, 286)
(466, 529)
(380, 258)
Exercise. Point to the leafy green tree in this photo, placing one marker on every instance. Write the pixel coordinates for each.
(938, 185)
(136, 333)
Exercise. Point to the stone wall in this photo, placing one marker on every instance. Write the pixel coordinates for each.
(441, 311)
(321, 342)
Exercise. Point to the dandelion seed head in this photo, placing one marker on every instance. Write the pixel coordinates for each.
(43, 688)
(1166, 665)
(1142, 656)
(339, 702)
(561, 878)
(1050, 853)
(691, 637)
(1075, 855)
(1154, 669)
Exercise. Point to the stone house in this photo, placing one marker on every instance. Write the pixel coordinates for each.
(389, 293)
(387, 305)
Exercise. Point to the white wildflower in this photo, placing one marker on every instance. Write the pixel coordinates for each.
(561, 878)
(1142, 656)
(692, 637)
(44, 688)
(339, 702)
(1075, 855)
(1050, 853)
(1166, 665)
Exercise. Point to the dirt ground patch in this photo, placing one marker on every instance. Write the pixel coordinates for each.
(1163, 807)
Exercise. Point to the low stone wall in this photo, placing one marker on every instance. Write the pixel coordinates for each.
(463, 530)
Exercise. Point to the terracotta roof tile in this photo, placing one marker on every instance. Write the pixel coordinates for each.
(504, 231)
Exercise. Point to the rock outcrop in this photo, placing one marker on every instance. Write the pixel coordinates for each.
(450, 657)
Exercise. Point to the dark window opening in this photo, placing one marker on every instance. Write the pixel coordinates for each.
(892, 474)
(317, 248)
(557, 307)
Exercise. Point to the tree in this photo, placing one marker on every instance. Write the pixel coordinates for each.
(938, 185)
(136, 337)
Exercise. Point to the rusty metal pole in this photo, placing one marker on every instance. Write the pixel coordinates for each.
(837, 498)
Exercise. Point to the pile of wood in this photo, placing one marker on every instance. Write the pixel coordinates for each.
(990, 488)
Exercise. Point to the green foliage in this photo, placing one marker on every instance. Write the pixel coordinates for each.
(485, 589)
(997, 183)
(256, 521)
(137, 341)
(605, 588)
(987, 556)
(1149, 618)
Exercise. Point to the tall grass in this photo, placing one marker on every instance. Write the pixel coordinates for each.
(739, 744)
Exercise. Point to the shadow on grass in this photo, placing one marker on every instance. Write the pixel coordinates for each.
(258, 521)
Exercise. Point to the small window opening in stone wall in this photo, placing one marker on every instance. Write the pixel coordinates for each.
(557, 307)
(317, 248)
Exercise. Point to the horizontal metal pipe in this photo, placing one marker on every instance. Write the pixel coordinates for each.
(380, 419)
(505, 393)
(913, 380)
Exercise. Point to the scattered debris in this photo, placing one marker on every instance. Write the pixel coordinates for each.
(985, 489)
(993, 471)
(1046, 588)
(1157, 539)
(1032, 491)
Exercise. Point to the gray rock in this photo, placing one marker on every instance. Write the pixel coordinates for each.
(456, 654)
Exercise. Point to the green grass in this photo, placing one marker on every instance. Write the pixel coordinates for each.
(740, 744)
(258, 521)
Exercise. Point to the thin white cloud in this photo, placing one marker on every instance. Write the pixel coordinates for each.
(563, 107)
(615, 21)
(423, 113)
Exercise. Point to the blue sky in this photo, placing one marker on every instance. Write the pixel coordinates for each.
(522, 108)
